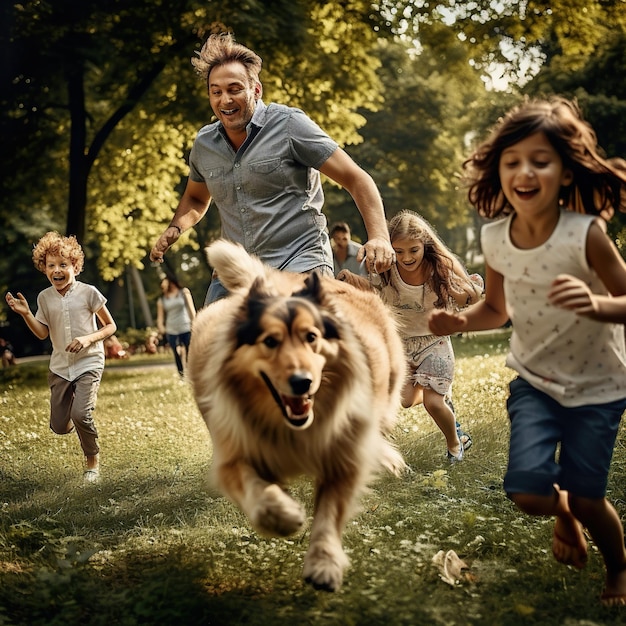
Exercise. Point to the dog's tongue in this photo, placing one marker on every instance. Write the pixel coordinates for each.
(298, 406)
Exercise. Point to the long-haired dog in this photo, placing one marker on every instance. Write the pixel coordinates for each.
(296, 375)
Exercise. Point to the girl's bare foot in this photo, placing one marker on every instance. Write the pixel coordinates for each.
(569, 545)
(614, 593)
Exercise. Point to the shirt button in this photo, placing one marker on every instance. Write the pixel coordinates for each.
(237, 164)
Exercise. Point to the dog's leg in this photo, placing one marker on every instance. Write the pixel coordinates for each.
(270, 510)
(325, 560)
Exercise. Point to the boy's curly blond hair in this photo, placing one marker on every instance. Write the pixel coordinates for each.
(54, 244)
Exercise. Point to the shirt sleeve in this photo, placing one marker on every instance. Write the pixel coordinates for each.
(310, 145)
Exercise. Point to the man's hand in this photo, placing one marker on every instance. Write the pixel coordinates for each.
(379, 255)
(169, 237)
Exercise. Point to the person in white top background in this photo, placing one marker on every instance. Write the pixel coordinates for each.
(67, 313)
(542, 173)
(175, 314)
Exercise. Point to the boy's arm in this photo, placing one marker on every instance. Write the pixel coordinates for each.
(20, 305)
(108, 328)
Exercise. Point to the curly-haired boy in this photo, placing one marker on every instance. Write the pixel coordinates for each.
(67, 312)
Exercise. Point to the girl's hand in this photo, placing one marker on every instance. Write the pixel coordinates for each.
(571, 293)
(18, 305)
(78, 344)
(477, 279)
(444, 323)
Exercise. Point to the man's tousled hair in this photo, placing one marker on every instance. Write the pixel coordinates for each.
(220, 49)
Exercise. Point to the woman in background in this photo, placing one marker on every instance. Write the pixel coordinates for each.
(175, 312)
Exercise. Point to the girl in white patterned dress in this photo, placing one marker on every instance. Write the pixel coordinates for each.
(427, 276)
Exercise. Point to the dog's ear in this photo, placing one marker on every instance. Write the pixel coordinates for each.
(314, 291)
(248, 327)
(332, 328)
(312, 288)
(260, 289)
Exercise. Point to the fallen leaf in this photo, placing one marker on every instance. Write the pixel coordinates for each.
(449, 566)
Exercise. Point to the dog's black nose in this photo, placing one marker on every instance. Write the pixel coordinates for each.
(300, 383)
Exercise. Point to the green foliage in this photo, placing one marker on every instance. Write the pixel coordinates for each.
(414, 145)
(114, 79)
(337, 76)
(135, 190)
(100, 104)
(153, 544)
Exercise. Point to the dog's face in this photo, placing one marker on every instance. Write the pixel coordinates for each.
(285, 342)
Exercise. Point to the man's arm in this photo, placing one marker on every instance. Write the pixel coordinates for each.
(361, 186)
(192, 207)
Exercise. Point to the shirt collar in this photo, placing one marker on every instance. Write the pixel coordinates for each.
(70, 290)
(258, 117)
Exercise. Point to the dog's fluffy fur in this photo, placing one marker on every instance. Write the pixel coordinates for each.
(296, 375)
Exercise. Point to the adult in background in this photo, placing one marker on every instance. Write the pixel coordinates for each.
(345, 250)
(175, 312)
(7, 353)
(261, 164)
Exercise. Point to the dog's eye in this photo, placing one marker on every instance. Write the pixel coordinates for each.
(270, 342)
(311, 337)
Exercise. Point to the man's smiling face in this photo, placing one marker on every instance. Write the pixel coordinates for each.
(233, 96)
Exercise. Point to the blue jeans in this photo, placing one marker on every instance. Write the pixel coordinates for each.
(179, 340)
(586, 435)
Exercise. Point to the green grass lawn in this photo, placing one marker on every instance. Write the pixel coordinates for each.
(153, 544)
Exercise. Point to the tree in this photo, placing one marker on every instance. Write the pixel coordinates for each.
(99, 105)
(414, 145)
(113, 77)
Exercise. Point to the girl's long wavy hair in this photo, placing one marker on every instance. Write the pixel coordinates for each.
(408, 224)
(599, 183)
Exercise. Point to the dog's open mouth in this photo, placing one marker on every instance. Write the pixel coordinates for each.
(297, 410)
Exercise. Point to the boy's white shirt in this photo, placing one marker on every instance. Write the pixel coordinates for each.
(67, 317)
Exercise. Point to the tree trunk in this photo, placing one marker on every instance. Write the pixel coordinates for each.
(78, 168)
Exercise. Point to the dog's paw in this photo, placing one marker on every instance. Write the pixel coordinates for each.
(392, 460)
(324, 565)
(276, 514)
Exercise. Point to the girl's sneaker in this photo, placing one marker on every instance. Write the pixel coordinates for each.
(92, 476)
(455, 459)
